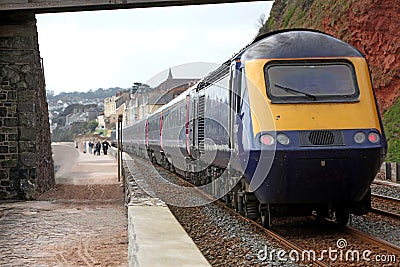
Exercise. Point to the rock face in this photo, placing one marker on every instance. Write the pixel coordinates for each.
(375, 32)
(370, 25)
(26, 164)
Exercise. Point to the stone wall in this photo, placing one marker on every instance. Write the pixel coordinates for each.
(26, 165)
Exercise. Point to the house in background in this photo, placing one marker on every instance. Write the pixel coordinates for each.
(113, 107)
(145, 100)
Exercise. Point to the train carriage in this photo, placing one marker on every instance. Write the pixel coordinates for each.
(327, 130)
(292, 117)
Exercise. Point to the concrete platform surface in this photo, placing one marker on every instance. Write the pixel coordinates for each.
(155, 236)
(74, 167)
(157, 239)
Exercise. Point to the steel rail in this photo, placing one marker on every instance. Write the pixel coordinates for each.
(272, 234)
(386, 183)
(280, 239)
(386, 213)
(286, 243)
(373, 240)
(386, 198)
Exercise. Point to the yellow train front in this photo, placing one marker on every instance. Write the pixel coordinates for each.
(314, 124)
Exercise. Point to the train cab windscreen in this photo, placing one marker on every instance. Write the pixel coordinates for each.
(297, 82)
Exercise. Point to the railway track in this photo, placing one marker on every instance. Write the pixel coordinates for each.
(193, 231)
(386, 206)
(349, 243)
(358, 235)
(213, 242)
(282, 240)
(372, 240)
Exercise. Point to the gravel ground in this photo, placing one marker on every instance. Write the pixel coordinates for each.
(376, 225)
(324, 237)
(386, 190)
(386, 205)
(380, 226)
(305, 233)
(223, 237)
(226, 239)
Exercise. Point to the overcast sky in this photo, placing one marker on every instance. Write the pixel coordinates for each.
(103, 49)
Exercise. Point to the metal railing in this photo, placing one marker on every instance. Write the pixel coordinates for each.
(390, 171)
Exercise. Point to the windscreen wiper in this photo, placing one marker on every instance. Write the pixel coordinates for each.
(295, 91)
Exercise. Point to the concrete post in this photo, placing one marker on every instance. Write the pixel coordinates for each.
(119, 142)
(388, 171)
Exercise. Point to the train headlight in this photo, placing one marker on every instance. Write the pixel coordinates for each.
(359, 137)
(283, 139)
(267, 139)
(373, 138)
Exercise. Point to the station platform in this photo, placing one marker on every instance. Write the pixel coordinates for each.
(155, 237)
(78, 168)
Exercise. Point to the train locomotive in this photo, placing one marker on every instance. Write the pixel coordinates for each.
(291, 119)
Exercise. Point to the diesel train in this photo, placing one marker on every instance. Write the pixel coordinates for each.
(291, 120)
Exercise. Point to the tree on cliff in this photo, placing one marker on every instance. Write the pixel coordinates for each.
(68, 133)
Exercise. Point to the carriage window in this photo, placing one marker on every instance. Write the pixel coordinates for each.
(311, 82)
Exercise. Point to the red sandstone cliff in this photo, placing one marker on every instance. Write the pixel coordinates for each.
(372, 26)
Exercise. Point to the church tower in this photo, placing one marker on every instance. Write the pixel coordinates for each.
(170, 77)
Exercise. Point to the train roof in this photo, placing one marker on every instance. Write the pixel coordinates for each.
(288, 43)
(171, 104)
(298, 43)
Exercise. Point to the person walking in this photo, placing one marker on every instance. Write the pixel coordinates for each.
(106, 145)
(91, 147)
(98, 147)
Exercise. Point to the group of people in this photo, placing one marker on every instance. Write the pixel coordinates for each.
(96, 147)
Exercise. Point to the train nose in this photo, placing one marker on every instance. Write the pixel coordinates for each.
(301, 177)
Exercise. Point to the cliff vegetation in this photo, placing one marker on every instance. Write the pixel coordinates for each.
(369, 25)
